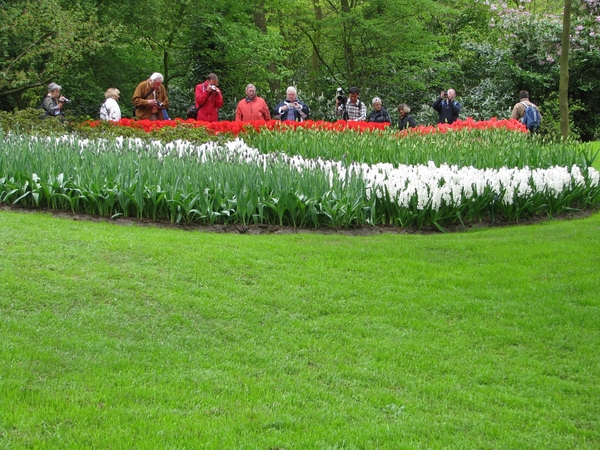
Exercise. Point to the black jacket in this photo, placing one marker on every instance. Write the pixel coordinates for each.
(448, 110)
(407, 121)
(379, 116)
(297, 117)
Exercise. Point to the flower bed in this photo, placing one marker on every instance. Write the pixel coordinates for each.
(234, 183)
(236, 128)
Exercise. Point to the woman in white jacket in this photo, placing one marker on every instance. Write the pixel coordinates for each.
(110, 109)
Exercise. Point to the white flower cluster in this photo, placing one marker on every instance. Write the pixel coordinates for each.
(432, 186)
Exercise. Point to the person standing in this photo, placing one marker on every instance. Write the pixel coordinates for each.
(447, 107)
(292, 108)
(209, 99)
(53, 102)
(519, 109)
(252, 107)
(110, 109)
(379, 114)
(150, 98)
(406, 120)
(353, 110)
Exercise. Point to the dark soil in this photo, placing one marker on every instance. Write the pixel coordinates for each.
(276, 229)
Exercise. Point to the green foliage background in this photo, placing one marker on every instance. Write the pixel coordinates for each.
(398, 50)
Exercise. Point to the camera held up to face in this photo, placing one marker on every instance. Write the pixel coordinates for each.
(340, 97)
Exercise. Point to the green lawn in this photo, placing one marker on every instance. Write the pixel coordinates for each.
(596, 146)
(133, 337)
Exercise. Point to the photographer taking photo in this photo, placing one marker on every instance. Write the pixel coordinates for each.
(209, 99)
(292, 108)
(352, 109)
(53, 102)
(150, 98)
(447, 107)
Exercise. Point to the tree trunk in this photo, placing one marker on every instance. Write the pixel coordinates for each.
(347, 45)
(563, 87)
(260, 21)
(314, 59)
(165, 73)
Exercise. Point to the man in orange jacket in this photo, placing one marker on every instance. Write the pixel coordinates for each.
(252, 107)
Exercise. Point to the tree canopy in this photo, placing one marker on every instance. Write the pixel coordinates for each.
(398, 50)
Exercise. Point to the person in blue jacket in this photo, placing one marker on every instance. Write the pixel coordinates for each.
(447, 107)
(292, 108)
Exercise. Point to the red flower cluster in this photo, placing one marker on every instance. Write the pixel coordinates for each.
(242, 127)
(341, 125)
(469, 124)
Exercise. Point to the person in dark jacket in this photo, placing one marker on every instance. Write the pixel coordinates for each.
(378, 114)
(292, 108)
(447, 107)
(53, 102)
(406, 120)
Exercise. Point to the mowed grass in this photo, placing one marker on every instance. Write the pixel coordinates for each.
(595, 146)
(134, 337)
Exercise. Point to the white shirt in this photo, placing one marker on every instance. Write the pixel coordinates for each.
(110, 110)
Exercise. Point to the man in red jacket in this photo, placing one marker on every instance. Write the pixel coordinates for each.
(252, 107)
(208, 99)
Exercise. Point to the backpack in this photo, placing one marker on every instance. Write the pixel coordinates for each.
(532, 117)
(192, 112)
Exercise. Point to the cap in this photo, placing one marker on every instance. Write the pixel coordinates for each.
(375, 100)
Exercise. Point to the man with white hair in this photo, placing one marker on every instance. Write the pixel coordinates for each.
(447, 107)
(252, 107)
(379, 114)
(150, 98)
(53, 102)
(292, 108)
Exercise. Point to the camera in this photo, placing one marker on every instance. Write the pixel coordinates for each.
(65, 100)
(341, 98)
(160, 104)
(292, 105)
